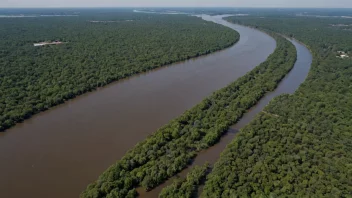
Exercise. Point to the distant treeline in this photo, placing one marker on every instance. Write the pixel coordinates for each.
(33, 79)
(301, 145)
(171, 148)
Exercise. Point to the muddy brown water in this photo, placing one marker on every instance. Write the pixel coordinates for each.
(57, 153)
(288, 85)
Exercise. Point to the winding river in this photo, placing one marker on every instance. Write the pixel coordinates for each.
(57, 153)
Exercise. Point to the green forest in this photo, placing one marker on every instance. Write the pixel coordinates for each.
(171, 148)
(187, 187)
(301, 144)
(99, 48)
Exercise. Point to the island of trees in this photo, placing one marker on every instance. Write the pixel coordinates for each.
(301, 145)
(171, 148)
(33, 79)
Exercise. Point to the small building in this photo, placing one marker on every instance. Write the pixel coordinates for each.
(47, 43)
(39, 44)
(342, 54)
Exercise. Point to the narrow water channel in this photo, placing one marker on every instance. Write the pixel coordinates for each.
(288, 85)
(57, 153)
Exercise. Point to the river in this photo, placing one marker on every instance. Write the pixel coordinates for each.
(57, 153)
(288, 85)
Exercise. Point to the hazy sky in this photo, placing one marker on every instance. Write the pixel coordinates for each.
(177, 3)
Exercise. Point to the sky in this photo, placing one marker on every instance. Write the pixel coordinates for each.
(178, 3)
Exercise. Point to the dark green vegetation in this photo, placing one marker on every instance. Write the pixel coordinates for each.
(301, 145)
(188, 187)
(33, 79)
(172, 147)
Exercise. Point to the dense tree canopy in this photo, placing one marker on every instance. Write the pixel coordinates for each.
(172, 147)
(100, 48)
(301, 144)
(187, 187)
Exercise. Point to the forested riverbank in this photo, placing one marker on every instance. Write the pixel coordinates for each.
(188, 187)
(300, 146)
(94, 54)
(172, 147)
